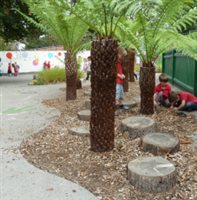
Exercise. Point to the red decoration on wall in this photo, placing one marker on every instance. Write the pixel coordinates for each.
(9, 55)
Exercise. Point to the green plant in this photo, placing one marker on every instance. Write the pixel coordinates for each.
(103, 20)
(158, 65)
(153, 27)
(53, 75)
(69, 30)
(50, 76)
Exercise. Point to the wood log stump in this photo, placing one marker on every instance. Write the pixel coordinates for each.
(129, 104)
(137, 99)
(80, 131)
(152, 174)
(160, 143)
(138, 126)
(87, 93)
(88, 104)
(84, 115)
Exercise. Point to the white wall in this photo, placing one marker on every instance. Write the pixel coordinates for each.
(32, 61)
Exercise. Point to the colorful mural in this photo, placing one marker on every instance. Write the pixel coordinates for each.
(32, 61)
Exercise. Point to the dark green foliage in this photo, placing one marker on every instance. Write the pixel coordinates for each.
(12, 25)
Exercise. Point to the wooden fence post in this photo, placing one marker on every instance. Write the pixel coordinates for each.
(173, 65)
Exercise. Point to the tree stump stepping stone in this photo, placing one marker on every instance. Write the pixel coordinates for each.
(87, 93)
(84, 115)
(80, 131)
(160, 143)
(152, 174)
(137, 99)
(88, 104)
(138, 126)
(129, 104)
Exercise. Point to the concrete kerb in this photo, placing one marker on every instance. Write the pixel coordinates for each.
(22, 115)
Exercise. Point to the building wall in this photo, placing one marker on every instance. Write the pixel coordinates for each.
(32, 61)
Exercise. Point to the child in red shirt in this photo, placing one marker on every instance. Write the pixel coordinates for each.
(183, 101)
(119, 84)
(162, 91)
(9, 69)
(48, 65)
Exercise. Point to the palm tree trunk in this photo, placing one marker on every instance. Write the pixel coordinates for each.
(103, 84)
(147, 84)
(131, 54)
(71, 76)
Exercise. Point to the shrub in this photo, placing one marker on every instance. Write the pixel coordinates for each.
(53, 75)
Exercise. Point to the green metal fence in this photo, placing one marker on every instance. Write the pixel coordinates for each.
(181, 69)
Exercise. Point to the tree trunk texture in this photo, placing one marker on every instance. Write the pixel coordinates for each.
(147, 84)
(131, 55)
(125, 70)
(103, 83)
(71, 76)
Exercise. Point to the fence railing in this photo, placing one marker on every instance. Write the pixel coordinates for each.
(181, 69)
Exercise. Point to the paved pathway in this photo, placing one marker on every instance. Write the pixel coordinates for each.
(22, 115)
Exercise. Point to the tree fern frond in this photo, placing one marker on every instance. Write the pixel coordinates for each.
(31, 20)
(188, 19)
(67, 29)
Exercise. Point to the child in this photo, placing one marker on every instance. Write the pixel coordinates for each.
(1, 64)
(45, 65)
(88, 68)
(183, 101)
(162, 91)
(16, 69)
(1, 72)
(9, 69)
(119, 84)
(48, 65)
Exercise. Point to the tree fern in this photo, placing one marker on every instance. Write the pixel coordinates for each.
(100, 15)
(67, 29)
(158, 24)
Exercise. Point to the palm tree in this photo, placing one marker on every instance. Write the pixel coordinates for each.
(152, 28)
(99, 15)
(67, 29)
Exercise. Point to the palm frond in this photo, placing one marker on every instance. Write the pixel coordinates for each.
(188, 19)
(58, 22)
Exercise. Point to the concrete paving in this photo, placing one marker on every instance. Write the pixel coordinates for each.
(22, 115)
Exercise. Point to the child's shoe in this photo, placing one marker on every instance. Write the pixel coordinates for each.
(122, 107)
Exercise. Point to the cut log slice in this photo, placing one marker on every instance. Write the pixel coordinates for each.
(84, 115)
(137, 99)
(80, 131)
(160, 143)
(88, 104)
(138, 126)
(87, 93)
(129, 104)
(152, 174)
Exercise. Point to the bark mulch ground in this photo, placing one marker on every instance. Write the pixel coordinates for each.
(105, 174)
